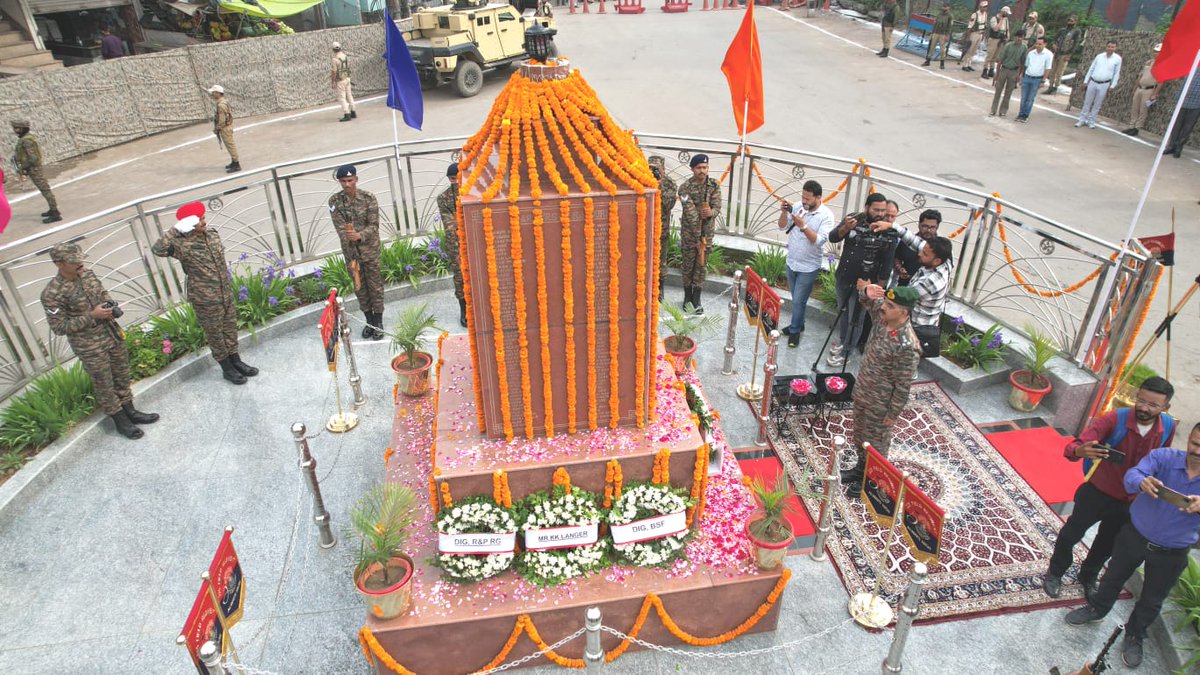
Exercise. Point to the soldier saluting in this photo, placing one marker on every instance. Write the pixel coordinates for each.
(701, 199)
(78, 307)
(447, 203)
(355, 216)
(202, 255)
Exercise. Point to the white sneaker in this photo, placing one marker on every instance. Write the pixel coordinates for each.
(1091, 125)
(1079, 124)
(835, 360)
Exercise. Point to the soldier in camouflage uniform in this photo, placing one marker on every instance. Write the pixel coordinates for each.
(885, 376)
(447, 203)
(202, 256)
(701, 199)
(223, 127)
(668, 194)
(78, 307)
(28, 160)
(355, 216)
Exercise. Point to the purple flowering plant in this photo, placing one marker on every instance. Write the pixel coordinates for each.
(262, 292)
(970, 348)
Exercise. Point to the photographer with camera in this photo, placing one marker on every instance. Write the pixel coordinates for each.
(932, 282)
(868, 252)
(1113, 443)
(807, 226)
(78, 307)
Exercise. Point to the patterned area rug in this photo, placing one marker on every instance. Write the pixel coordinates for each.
(998, 535)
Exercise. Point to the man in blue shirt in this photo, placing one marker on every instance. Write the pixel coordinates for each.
(1159, 534)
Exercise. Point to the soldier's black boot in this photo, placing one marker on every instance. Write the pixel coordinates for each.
(368, 331)
(687, 297)
(125, 426)
(244, 369)
(230, 373)
(138, 417)
(234, 167)
(926, 62)
(854, 476)
(46, 213)
(377, 326)
(345, 118)
(943, 64)
(696, 300)
(53, 216)
(462, 313)
(353, 115)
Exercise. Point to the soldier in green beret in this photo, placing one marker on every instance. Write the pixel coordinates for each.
(78, 306)
(888, 366)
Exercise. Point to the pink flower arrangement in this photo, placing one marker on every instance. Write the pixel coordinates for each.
(167, 346)
(801, 386)
(835, 384)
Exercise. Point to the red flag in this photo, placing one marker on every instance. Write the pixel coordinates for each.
(1180, 45)
(1162, 247)
(743, 69)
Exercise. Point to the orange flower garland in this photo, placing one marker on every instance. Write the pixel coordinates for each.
(699, 480)
(639, 391)
(1137, 330)
(500, 492)
(662, 468)
(614, 315)
(562, 479)
(387, 456)
(446, 500)
(469, 298)
(612, 482)
(433, 492)
(489, 236)
(564, 216)
(518, 270)
(589, 272)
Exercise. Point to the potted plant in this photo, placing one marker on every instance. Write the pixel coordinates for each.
(685, 327)
(769, 530)
(412, 364)
(382, 521)
(1030, 384)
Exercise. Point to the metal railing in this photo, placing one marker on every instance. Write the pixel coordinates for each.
(1011, 262)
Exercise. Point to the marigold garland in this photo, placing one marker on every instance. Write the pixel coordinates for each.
(387, 456)
(564, 216)
(639, 391)
(518, 271)
(433, 493)
(1137, 330)
(446, 500)
(614, 315)
(661, 474)
(524, 624)
(562, 479)
(500, 492)
(489, 236)
(460, 223)
(613, 482)
(589, 273)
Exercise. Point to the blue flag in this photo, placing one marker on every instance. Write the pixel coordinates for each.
(404, 85)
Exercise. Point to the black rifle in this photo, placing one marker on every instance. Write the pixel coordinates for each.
(1100, 665)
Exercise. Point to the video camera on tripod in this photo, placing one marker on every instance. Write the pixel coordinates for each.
(872, 252)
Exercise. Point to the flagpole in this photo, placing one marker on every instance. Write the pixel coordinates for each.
(1111, 279)
(1171, 291)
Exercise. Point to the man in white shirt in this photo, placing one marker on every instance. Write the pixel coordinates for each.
(1101, 78)
(1037, 65)
(808, 225)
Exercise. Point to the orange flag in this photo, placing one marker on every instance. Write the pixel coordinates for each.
(743, 69)
(1179, 45)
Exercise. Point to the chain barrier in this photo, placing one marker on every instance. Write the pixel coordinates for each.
(525, 659)
(231, 667)
(725, 655)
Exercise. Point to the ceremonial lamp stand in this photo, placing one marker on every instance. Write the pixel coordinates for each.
(345, 421)
(868, 609)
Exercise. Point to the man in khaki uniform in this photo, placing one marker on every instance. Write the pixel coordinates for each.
(998, 33)
(28, 159)
(976, 25)
(1033, 29)
(223, 127)
(339, 78)
(1145, 93)
(78, 307)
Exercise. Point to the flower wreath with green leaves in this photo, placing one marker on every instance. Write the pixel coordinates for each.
(556, 508)
(646, 500)
(474, 515)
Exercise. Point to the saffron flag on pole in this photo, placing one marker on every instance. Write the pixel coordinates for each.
(1180, 45)
(743, 69)
(404, 85)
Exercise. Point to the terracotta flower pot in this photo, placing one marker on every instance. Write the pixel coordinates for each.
(680, 349)
(387, 602)
(1027, 390)
(413, 378)
(768, 555)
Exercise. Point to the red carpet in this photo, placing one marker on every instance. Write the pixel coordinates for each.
(1036, 454)
(767, 469)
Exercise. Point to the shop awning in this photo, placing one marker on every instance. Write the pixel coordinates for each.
(268, 9)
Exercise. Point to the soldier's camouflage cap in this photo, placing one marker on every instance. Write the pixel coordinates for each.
(657, 160)
(67, 252)
(19, 123)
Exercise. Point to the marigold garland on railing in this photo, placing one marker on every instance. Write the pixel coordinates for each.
(1137, 330)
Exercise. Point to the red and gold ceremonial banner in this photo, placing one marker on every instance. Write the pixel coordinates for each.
(1162, 247)
(228, 584)
(203, 625)
(752, 298)
(768, 311)
(880, 487)
(330, 329)
(922, 524)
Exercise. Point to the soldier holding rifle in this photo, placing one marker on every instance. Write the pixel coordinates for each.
(355, 216)
(700, 196)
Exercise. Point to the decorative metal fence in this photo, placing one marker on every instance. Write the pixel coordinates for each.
(1011, 263)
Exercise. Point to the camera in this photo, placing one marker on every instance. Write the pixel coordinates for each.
(873, 247)
(117, 312)
(654, 170)
(785, 207)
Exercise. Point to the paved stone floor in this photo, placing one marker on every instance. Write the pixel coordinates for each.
(102, 551)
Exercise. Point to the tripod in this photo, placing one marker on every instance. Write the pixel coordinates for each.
(853, 330)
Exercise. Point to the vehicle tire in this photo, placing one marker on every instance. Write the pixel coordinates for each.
(552, 52)
(468, 78)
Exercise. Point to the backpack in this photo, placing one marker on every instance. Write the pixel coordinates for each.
(1118, 434)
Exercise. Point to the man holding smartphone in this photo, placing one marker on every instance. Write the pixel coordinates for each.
(1102, 498)
(807, 226)
(1164, 525)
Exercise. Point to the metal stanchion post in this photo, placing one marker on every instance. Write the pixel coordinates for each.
(832, 480)
(731, 335)
(593, 655)
(309, 466)
(210, 658)
(355, 380)
(769, 369)
(908, 612)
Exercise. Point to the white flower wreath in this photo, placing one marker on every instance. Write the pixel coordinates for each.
(554, 566)
(471, 516)
(647, 501)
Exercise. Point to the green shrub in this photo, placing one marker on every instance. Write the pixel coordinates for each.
(971, 349)
(149, 350)
(674, 250)
(771, 264)
(716, 262)
(434, 257)
(312, 289)
(1134, 376)
(51, 405)
(11, 460)
(181, 326)
(825, 288)
(265, 293)
(400, 261)
(335, 274)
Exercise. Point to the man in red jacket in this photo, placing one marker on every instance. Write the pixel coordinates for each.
(1102, 497)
